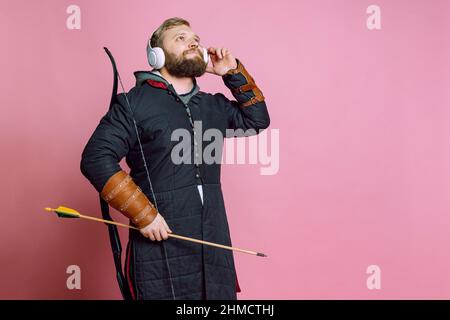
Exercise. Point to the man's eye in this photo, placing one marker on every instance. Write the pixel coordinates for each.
(181, 37)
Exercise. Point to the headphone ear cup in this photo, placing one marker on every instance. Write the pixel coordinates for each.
(156, 57)
(205, 55)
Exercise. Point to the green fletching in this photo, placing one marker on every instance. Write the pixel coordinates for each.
(65, 215)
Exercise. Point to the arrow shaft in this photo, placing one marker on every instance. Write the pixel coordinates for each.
(212, 244)
(108, 222)
(171, 235)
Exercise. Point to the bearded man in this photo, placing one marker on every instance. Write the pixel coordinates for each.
(161, 195)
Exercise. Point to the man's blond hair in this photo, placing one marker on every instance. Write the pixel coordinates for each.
(157, 37)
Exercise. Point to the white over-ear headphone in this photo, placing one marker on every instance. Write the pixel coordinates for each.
(156, 57)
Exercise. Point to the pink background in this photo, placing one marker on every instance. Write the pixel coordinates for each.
(364, 128)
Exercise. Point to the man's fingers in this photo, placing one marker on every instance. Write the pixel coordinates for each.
(151, 236)
(164, 234)
(218, 53)
(212, 50)
(215, 56)
(158, 234)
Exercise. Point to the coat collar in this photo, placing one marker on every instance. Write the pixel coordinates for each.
(155, 79)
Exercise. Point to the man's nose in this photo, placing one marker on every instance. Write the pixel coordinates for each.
(193, 44)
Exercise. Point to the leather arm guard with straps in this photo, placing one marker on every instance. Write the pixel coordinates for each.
(121, 193)
(247, 93)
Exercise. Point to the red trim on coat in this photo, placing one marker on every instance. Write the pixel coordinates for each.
(157, 84)
(238, 289)
(127, 273)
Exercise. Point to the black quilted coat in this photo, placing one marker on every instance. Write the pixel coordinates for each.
(196, 271)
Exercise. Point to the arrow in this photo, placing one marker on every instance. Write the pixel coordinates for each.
(65, 212)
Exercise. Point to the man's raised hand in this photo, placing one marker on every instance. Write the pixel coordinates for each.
(222, 60)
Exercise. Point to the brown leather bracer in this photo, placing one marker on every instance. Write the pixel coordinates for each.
(249, 86)
(124, 195)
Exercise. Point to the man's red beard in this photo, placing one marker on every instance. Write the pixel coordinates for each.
(185, 67)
